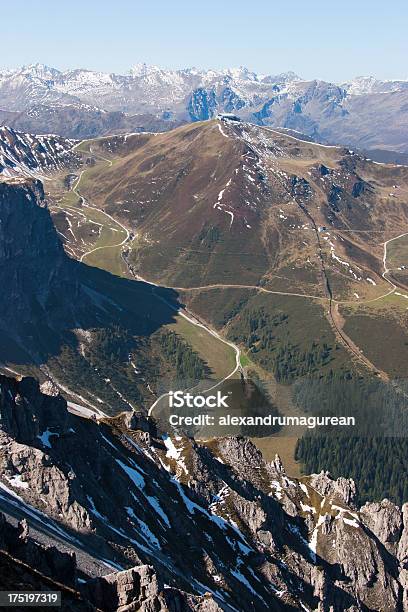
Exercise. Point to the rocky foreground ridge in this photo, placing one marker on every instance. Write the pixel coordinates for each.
(184, 525)
(32, 566)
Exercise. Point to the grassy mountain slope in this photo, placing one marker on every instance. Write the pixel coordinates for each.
(229, 205)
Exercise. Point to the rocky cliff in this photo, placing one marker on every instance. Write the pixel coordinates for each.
(206, 517)
(27, 564)
(43, 289)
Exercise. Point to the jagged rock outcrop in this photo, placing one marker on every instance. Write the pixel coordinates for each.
(137, 588)
(385, 521)
(134, 589)
(27, 413)
(345, 488)
(403, 543)
(138, 421)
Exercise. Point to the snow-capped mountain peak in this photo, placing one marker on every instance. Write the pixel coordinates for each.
(363, 85)
(40, 71)
(241, 73)
(142, 69)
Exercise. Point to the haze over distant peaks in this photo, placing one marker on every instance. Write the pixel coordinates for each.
(365, 112)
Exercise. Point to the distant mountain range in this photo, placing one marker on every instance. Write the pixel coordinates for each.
(366, 113)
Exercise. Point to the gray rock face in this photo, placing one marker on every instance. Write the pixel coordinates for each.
(403, 543)
(137, 587)
(385, 521)
(372, 580)
(216, 522)
(138, 421)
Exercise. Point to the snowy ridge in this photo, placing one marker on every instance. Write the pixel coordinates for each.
(368, 85)
(32, 156)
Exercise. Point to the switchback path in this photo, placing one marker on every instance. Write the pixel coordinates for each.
(225, 285)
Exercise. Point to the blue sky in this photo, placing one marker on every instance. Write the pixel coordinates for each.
(324, 39)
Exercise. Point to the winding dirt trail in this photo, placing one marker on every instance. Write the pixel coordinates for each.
(193, 320)
(386, 269)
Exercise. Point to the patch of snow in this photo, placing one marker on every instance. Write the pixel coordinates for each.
(277, 489)
(156, 506)
(147, 534)
(342, 510)
(304, 488)
(307, 508)
(45, 437)
(94, 510)
(133, 474)
(351, 522)
(313, 540)
(172, 451)
(16, 482)
(239, 576)
(221, 130)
